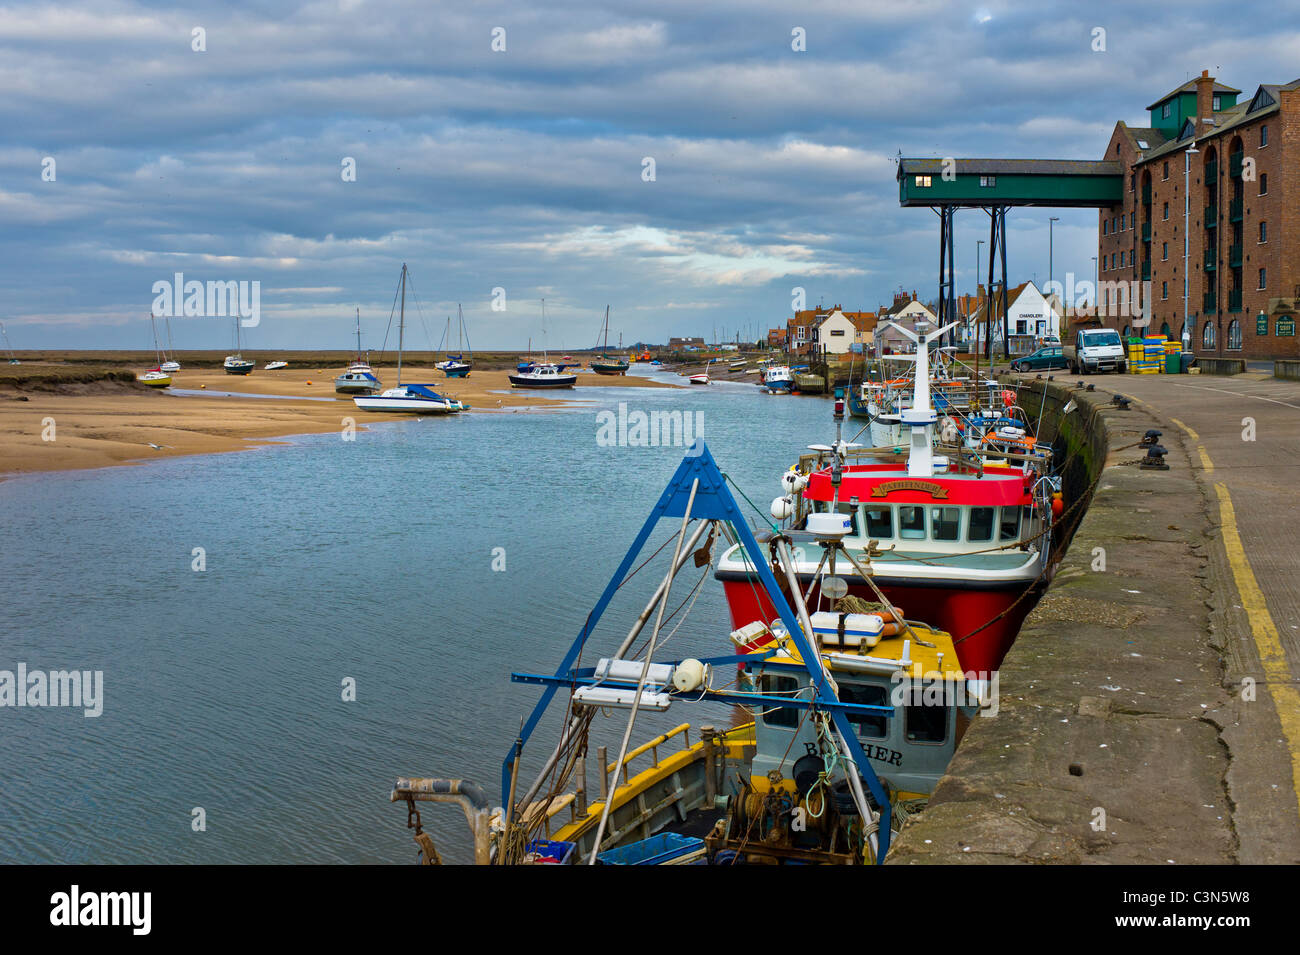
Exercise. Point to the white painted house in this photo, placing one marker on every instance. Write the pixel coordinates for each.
(835, 333)
(1031, 317)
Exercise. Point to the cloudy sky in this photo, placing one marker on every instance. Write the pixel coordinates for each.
(523, 168)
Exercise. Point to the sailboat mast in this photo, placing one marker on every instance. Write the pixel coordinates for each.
(401, 326)
(358, 333)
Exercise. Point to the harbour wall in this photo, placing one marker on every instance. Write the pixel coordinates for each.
(1104, 746)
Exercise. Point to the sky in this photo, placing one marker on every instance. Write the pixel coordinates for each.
(500, 150)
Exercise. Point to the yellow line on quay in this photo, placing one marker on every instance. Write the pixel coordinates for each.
(1272, 655)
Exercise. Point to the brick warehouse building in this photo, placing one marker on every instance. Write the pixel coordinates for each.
(1240, 164)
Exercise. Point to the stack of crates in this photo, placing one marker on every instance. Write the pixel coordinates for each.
(1147, 355)
(1133, 354)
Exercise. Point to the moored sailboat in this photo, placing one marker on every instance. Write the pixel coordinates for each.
(360, 378)
(410, 398)
(457, 366)
(605, 365)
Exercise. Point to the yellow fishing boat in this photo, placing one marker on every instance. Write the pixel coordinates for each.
(854, 721)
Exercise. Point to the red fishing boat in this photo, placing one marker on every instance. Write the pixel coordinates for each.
(956, 540)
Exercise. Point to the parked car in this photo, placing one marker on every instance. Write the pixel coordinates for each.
(1043, 358)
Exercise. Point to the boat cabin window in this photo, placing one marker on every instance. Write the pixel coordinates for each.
(911, 522)
(981, 524)
(1010, 528)
(925, 724)
(880, 523)
(772, 685)
(868, 726)
(945, 523)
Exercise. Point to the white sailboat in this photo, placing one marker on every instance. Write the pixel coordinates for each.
(360, 378)
(155, 377)
(170, 364)
(410, 398)
(13, 359)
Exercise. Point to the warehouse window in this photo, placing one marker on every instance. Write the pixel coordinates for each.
(1234, 335)
(923, 182)
(1263, 232)
(1166, 175)
(1166, 210)
(1263, 278)
(1263, 135)
(1263, 183)
(988, 181)
(1207, 335)
(1164, 290)
(1164, 251)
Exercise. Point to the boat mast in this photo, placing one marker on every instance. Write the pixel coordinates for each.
(358, 333)
(401, 326)
(157, 352)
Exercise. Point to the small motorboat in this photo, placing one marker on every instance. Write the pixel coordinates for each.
(276, 365)
(170, 366)
(543, 375)
(155, 378)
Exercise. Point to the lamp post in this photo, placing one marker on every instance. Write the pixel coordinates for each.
(1051, 270)
(1187, 209)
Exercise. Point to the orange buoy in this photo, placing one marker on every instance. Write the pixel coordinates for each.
(1058, 504)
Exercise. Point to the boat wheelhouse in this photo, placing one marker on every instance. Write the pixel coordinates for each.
(777, 379)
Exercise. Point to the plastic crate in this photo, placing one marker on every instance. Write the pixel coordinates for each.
(547, 852)
(665, 849)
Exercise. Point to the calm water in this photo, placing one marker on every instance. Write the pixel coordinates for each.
(328, 560)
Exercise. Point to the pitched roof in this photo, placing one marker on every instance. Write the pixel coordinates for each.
(1190, 87)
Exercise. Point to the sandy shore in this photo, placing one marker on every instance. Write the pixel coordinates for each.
(101, 425)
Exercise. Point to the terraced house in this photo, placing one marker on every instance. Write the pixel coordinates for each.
(1210, 216)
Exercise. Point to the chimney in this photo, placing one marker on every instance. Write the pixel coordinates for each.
(1204, 97)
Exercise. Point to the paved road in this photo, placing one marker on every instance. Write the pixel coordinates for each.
(1243, 435)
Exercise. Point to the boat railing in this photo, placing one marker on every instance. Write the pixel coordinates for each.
(684, 730)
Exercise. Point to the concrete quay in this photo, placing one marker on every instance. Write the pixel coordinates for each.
(1150, 709)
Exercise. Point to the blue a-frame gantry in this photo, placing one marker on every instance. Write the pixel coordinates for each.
(713, 501)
